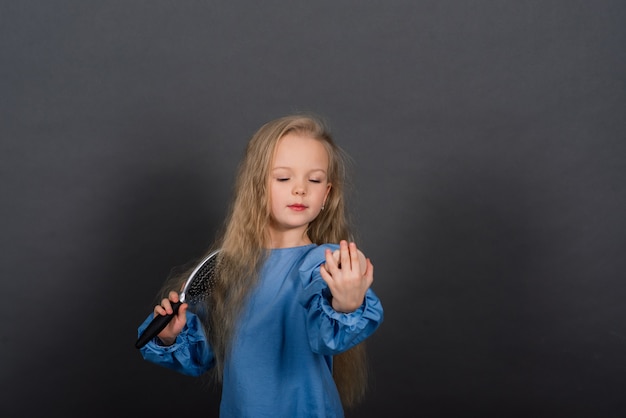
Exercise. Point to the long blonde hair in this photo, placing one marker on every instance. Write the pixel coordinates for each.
(243, 239)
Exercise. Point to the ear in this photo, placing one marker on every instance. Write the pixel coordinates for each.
(328, 187)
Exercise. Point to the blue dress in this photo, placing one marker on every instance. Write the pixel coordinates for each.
(282, 353)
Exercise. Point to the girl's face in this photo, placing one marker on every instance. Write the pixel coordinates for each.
(298, 188)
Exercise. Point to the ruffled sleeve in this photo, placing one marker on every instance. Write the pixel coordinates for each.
(190, 354)
(331, 332)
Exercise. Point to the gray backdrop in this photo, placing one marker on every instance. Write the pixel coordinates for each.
(489, 161)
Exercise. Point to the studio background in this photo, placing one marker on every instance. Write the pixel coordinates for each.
(489, 166)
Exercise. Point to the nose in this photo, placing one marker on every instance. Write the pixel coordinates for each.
(299, 189)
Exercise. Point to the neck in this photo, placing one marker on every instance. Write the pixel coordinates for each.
(287, 239)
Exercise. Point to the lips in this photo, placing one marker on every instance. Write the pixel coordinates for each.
(297, 207)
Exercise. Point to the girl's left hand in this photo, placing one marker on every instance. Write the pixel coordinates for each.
(348, 275)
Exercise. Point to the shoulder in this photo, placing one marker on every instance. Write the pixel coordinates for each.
(316, 256)
(309, 269)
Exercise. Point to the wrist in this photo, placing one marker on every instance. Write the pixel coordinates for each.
(343, 308)
(165, 342)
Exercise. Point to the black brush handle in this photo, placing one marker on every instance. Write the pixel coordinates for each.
(158, 323)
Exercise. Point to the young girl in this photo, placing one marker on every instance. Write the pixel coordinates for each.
(283, 328)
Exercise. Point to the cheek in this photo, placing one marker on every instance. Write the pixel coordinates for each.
(279, 192)
(274, 193)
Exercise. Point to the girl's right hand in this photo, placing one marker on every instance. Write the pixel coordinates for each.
(175, 326)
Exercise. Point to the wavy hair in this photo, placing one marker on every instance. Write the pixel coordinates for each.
(244, 237)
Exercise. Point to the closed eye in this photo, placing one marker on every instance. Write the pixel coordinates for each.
(282, 179)
(315, 181)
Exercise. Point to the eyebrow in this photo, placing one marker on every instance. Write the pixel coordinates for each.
(289, 168)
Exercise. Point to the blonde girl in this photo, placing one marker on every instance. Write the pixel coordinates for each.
(283, 328)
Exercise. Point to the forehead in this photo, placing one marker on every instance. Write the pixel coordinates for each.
(302, 151)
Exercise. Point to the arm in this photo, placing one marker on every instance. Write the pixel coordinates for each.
(330, 330)
(182, 346)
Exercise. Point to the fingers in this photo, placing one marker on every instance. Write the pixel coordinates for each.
(348, 274)
(173, 296)
(327, 269)
(354, 256)
(369, 272)
(165, 307)
(169, 334)
(332, 259)
(351, 257)
(346, 259)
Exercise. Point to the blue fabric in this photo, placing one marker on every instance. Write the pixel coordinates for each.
(281, 361)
